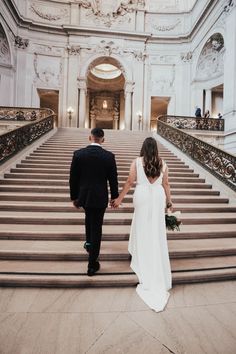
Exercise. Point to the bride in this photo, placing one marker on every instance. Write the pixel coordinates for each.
(148, 242)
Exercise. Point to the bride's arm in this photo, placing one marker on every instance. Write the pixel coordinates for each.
(128, 184)
(166, 186)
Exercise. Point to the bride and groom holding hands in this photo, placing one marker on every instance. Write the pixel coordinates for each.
(92, 168)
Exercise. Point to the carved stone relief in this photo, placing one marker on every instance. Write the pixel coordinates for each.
(107, 12)
(47, 13)
(47, 49)
(162, 78)
(186, 57)
(211, 60)
(165, 27)
(48, 70)
(108, 48)
(229, 6)
(21, 43)
(4, 48)
(73, 50)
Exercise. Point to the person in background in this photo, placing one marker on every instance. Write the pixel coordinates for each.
(207, 114)
(198, 112)
(220, 115)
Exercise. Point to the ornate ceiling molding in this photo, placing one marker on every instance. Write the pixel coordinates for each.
(108, 11)
(58, 13)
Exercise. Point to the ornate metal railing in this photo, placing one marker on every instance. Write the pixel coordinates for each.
(15, 140)
(218, 162)
(196, 123)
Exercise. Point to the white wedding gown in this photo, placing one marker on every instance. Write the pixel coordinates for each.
(148, 242)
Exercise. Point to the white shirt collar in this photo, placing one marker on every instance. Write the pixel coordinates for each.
(96, 144)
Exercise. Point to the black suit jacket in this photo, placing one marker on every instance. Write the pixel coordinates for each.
(91, 169)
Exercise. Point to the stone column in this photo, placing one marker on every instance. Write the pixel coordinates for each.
(82, 101)
(208, 101)
(71, 97)
(115, 123)
(128, 104)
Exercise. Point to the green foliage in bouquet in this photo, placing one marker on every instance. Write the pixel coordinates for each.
(172, 223)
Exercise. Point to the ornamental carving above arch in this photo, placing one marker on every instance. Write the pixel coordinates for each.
(211, 61)
(5, 56)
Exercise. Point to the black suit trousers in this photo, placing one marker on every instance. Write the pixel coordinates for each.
(93, 229)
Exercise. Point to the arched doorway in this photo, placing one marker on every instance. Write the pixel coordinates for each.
(209, 79)
(105, 93)
(105, 87)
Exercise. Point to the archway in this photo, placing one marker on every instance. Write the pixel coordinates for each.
(105, 99)
(117, 91)
(210, 74)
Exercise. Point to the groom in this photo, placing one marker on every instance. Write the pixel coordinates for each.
(91, 168)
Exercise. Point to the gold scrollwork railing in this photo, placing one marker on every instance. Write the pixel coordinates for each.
(218, 162)
(18, 138)
(196, 123)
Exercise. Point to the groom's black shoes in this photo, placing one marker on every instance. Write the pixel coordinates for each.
(87, 246)
(92, 270)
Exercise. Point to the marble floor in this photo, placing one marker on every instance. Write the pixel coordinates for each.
(199, 318)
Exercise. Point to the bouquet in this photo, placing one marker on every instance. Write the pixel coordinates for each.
(173, 220)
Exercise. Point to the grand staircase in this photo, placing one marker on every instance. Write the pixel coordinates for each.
(41, 234)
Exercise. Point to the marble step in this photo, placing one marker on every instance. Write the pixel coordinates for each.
(110, 232)
(64, 176)
(110, 251)
(125, 207)
(111, 267)
(47, 197)
(176, 190)
(114, 280)
(77, 218)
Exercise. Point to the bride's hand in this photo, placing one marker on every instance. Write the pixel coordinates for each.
(115, 203)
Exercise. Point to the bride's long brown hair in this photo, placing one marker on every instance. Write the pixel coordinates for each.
(151, 159)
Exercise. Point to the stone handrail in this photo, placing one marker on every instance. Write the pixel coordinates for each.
(18, 138)
(218, 162)
(23, 114)
(194, 123)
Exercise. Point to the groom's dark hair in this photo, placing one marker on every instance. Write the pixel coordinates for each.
(97, 133)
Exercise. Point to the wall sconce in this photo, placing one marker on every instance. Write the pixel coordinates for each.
(140, 119)
(70, 111)
(104, 104)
